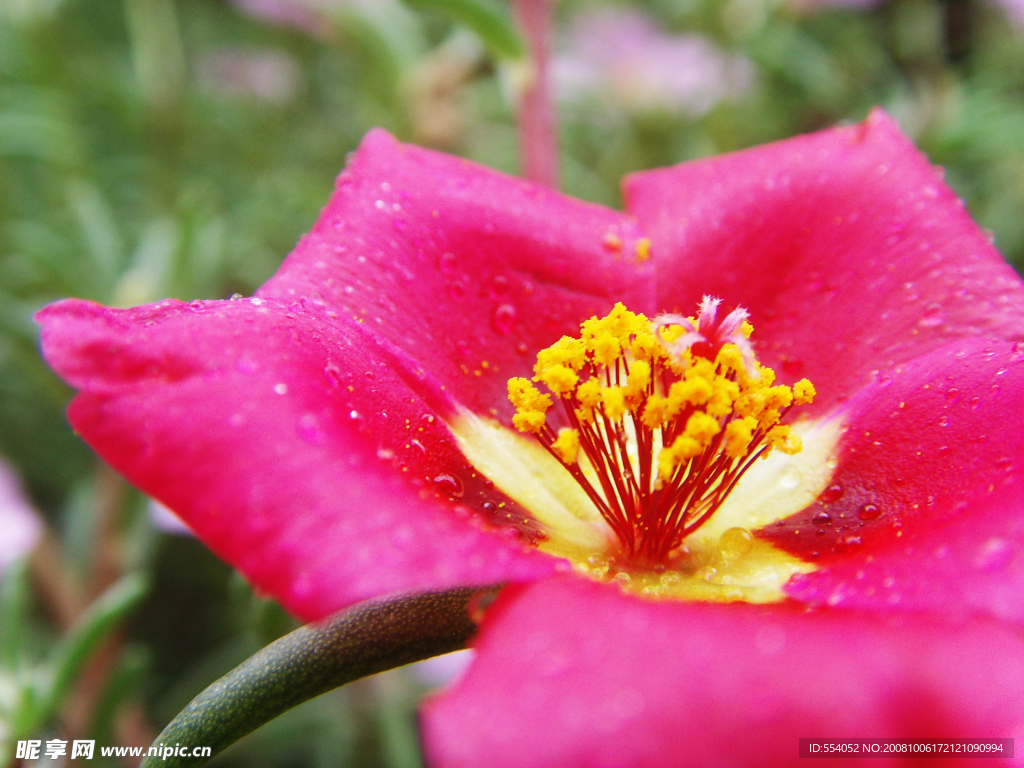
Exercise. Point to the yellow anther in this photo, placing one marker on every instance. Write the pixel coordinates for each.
(560, 379)
(567, 445)
(589, 393)
(566, 351)
(656, 412)
(702, 428)
(746, 329)
(778, 397)
(738, 434)
(614, 402)
(804, 392)
(529, 421)
(782, 437)
(730, 358)
(688, 392)
(701, 369)
(606, 349)
(646, 346)
(526, 397)
(639, 376)
(671, 333)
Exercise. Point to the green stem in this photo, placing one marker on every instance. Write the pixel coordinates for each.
(371, 637)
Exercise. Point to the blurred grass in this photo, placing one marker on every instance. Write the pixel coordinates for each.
(154, 148)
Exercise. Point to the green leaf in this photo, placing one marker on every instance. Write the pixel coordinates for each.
(486, 19)
(102, 617)
(369, 638)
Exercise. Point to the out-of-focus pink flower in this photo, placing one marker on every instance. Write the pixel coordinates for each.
(307, 16)
(20, 526)
(346, 434)
(270, 75)
(621, 57)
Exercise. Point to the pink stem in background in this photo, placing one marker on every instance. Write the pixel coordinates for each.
(538, 133)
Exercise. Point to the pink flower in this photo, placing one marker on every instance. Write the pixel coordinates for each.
(622, 57)
(20, 526)
(345, 434)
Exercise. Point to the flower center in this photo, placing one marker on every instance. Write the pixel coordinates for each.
(662, 419)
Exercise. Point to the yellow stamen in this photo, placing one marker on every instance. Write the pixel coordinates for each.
(663, 435)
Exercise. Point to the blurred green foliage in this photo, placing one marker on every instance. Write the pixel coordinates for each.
(153, 148)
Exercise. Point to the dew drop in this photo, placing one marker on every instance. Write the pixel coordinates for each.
(952, 395)
(499, 285)
(196, 306)
(333, 374)
(736, 542)
(933, 316)
(707, 573)
(994, 555)
(489, 506)
(354, 415)
(521, 348)
(790, 477)
(975, 403)
(669, 578)
(449, 485)
(504, 319)
(235, 296)
(868, 512)
(793, 367)
(446, 263)
(822, 518)
(308, 428)
(832, 494)
(623, 578)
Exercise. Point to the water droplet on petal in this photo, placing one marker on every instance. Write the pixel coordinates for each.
(790, 477)
(446, 263)
(308, 428)
(504, 319)
(793, 367)
(832, 494)
(281, 388)
(822, 518)
(499, 285)
(333, 374)
(868, 512)
(975, 403)
(354, 415)
(736, 542)
(933, 316)
(995, 555)
(952, 395)
(707, 573)
(449, 485)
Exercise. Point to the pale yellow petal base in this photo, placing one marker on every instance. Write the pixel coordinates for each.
(719, 563)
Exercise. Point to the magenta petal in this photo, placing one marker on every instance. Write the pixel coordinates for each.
(848, 249)
(240, 417)
(466, 269)
(929, 440)
(572, 673)
(973, 563)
